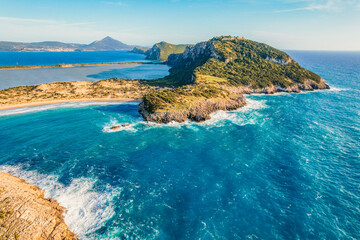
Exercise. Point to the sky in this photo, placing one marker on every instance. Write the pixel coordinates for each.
(285, 24)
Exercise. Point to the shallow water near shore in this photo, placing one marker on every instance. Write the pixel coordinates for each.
(285, 166)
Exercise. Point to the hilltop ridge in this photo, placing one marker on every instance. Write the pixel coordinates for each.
(223, 68)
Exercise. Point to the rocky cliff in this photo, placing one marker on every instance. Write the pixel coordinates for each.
(222, 69)
(26, 214)
(244, 64)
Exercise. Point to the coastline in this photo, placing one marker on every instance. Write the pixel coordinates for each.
(73, 65)
(41, 103)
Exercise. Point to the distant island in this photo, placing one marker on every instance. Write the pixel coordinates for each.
(209, 76)
(106, 44)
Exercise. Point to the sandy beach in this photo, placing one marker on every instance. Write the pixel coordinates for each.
(39, 103)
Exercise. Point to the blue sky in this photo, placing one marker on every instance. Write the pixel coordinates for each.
(285, 24)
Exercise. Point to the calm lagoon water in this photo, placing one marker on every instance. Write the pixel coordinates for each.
(286, 166)
(21, 77)
(52, 58)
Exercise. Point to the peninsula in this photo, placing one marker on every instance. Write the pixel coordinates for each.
(209, 76)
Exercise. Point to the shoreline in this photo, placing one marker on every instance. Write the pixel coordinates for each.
(34, 104)
(73, 65)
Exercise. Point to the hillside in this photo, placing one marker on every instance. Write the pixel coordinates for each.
(162, 50)
(224, 68)
(241, 63)
(106, 44)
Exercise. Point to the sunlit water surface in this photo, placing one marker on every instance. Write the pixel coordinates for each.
(285, 166)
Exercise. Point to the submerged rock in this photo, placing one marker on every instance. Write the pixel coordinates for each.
(118, 127)
(26, 214)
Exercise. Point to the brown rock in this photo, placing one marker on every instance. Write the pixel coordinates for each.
(26, 214)
(199, 112)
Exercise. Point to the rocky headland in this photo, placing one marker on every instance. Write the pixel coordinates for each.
(26, 214)
(203, 79)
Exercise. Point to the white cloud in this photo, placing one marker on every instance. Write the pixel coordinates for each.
(40, 21)
(29, 20)
(330, 5)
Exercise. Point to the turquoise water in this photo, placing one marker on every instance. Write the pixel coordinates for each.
(52, 58)
(286, 166)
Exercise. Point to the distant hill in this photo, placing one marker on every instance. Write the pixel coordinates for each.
(106, 44)
(161, 51)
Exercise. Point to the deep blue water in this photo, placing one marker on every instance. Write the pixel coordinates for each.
(284, 167)
(52, 58)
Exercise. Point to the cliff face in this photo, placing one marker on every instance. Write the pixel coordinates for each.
(26, 214)
(153, 53)
(193, 55)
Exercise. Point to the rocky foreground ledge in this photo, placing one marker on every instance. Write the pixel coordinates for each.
(26, 214)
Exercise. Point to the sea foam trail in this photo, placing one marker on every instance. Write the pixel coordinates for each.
(41, 108)
(87, 209)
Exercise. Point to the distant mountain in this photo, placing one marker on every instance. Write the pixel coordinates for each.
(106, 44)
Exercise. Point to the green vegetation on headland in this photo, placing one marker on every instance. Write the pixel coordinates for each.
(241, 62)
(161, 51)
(207, 77)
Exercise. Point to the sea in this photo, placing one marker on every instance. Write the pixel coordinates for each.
(285, 166)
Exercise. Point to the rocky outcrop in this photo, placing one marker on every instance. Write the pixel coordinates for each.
(308, 85)
(26, 214)
(199, 112)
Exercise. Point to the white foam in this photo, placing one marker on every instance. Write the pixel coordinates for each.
(87, 209)
(41, 108)
(128, 127)
(237, 117)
